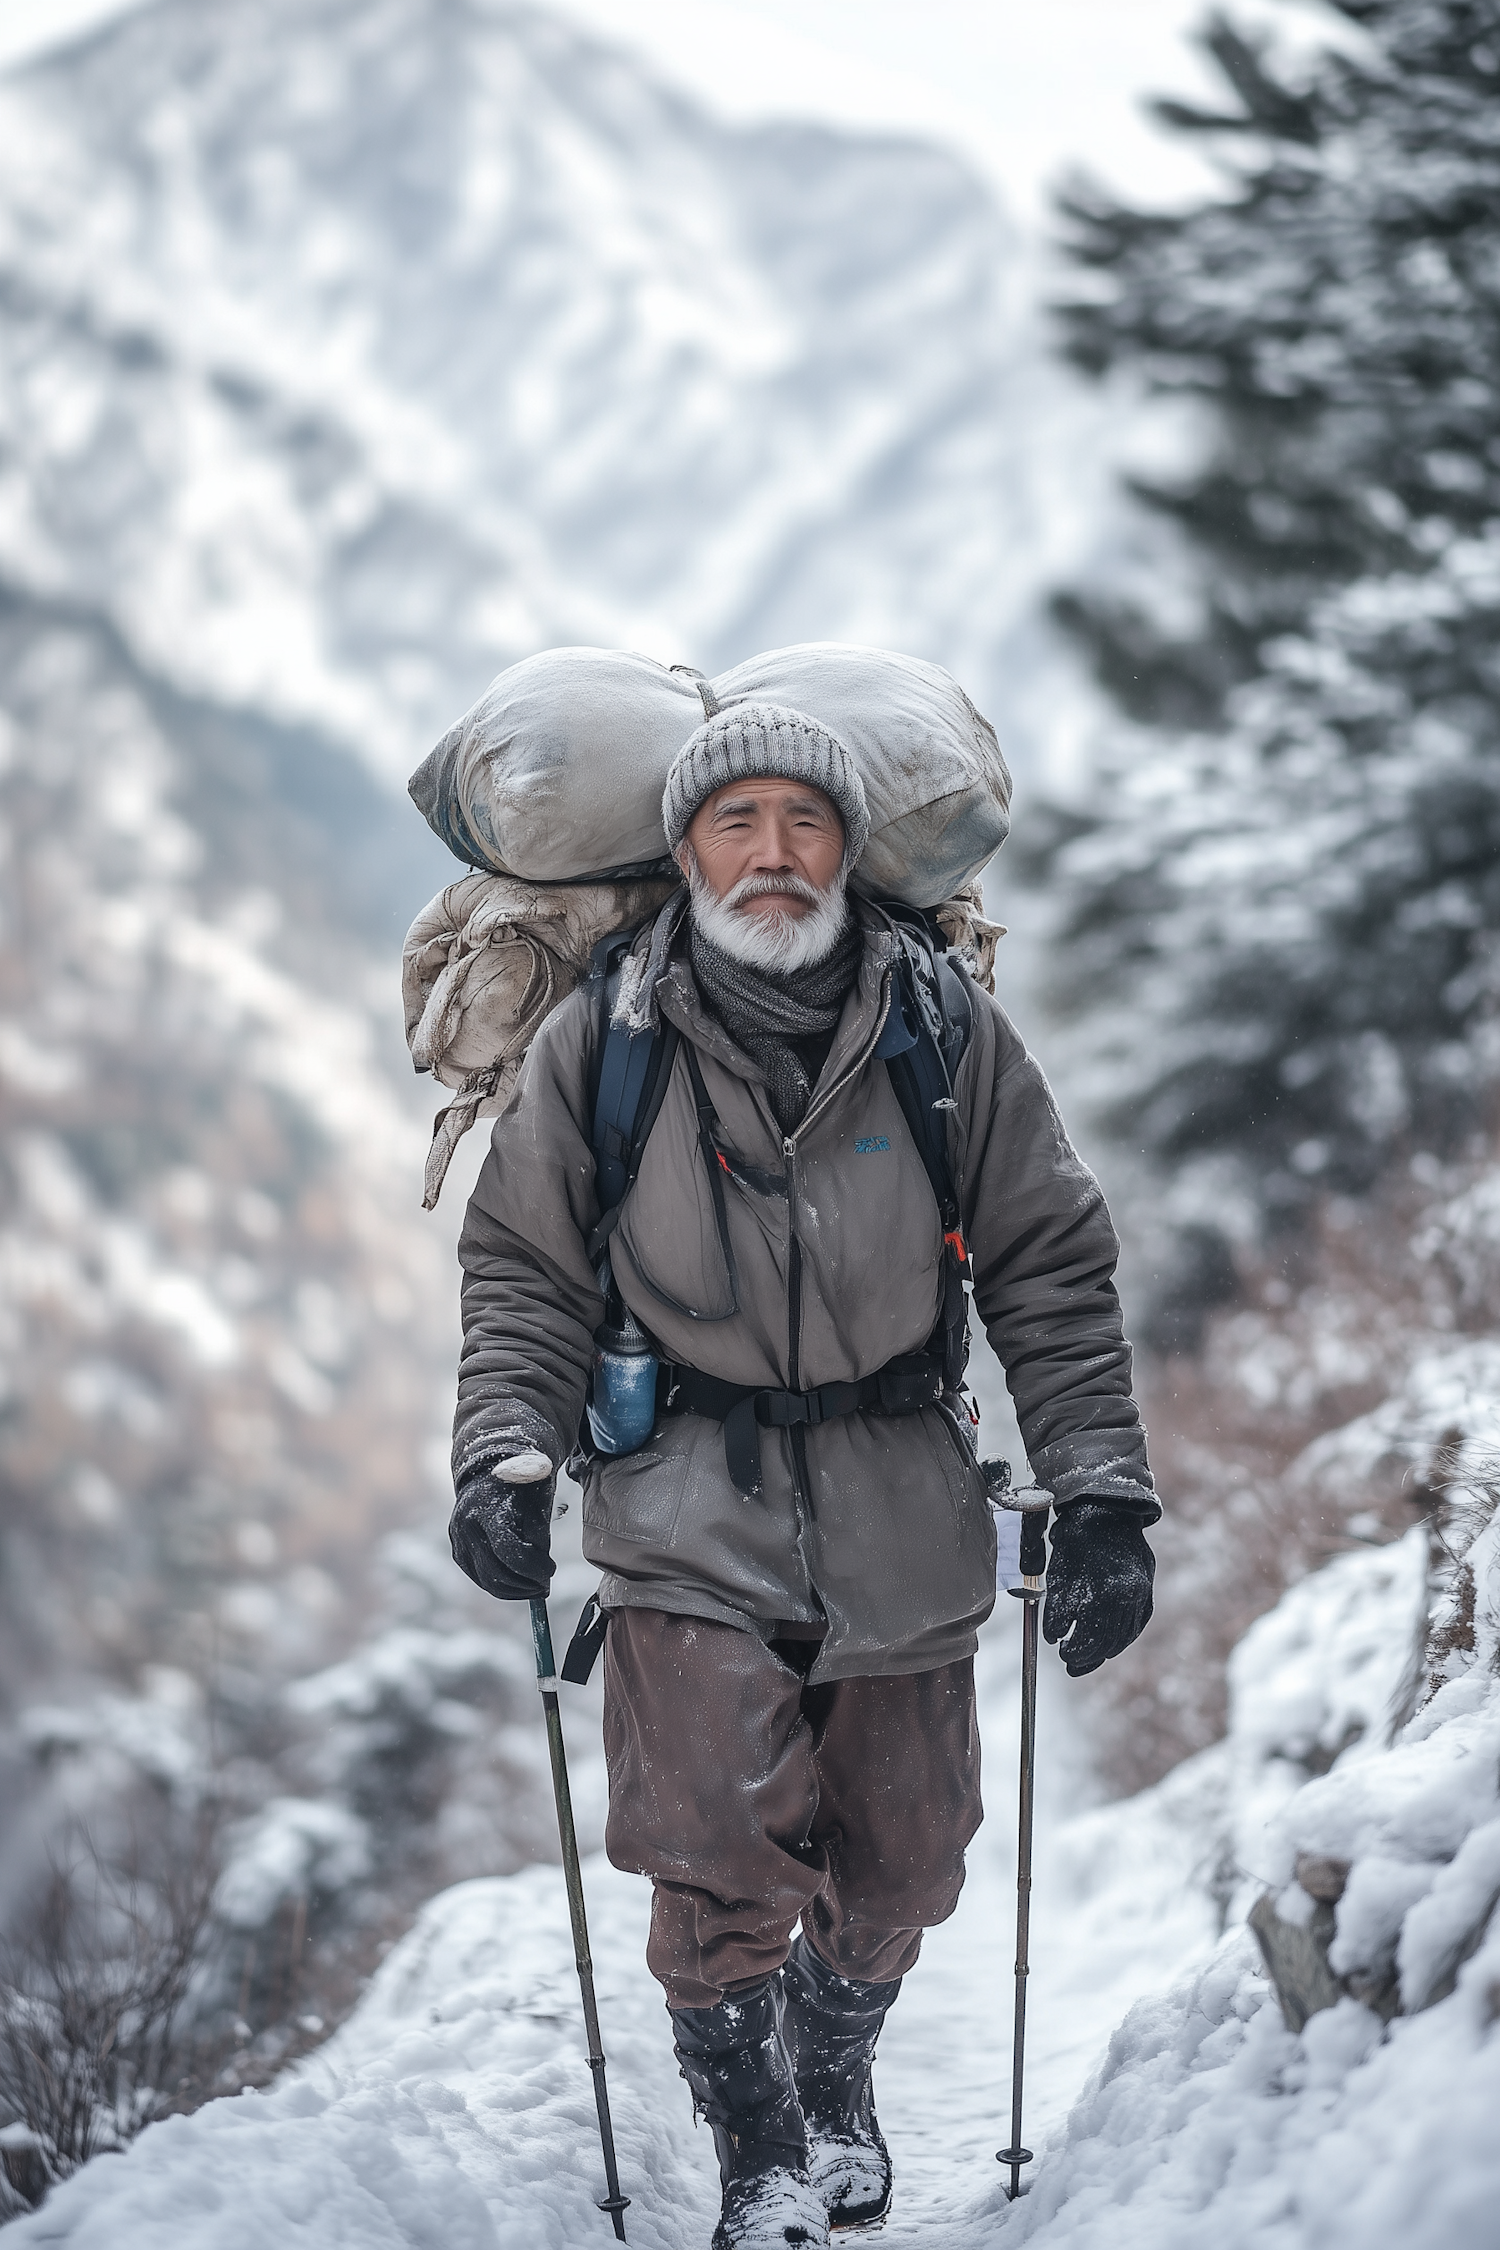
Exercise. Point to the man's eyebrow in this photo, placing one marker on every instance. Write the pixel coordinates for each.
(813, 803)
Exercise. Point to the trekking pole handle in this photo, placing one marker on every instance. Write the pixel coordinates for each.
(1032, 1503)
(1033, 1552)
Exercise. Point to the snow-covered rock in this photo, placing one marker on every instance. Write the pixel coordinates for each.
(1210, 2120)
(1211, 2123)
(1318, 1680)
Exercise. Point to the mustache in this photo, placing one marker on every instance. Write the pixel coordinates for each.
(773, 886)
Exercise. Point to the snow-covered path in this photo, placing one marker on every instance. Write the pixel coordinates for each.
(454, 2111)
(1118, 1911)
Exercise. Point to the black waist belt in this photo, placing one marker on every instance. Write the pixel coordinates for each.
(902, 1386)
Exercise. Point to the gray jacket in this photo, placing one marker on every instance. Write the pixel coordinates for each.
(882, 1526)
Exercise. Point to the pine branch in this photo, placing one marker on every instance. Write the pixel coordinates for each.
(1267, 106)
(1301, 885)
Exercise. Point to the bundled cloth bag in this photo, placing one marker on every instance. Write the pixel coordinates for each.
(482, 966)
(552, 785)
(557, 773)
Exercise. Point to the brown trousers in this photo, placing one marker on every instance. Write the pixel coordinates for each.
(753, 1800)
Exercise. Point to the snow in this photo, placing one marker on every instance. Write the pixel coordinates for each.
(1319, 1671)
(1316, 1681)
(1169, 2105)
(339, 439)
(1209, 2121)
(1449, 1397)
(1460, 1899)
(292, 1846)
(455, 2107)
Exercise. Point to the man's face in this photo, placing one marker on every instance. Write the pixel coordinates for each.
(783, 839)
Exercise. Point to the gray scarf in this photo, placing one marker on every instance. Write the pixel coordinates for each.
(764, 1012)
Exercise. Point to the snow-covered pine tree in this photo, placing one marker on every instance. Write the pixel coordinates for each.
(1280, 914)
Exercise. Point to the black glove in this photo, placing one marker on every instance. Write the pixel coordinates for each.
(1098, 1583)
(499, 1534)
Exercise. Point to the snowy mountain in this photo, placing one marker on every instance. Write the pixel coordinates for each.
(227, 1336)
(221, 1335)
(347, 351)
(353, 348)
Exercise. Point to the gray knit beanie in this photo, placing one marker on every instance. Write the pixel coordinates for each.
(750, 740)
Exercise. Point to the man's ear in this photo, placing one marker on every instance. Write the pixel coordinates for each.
(685, 861)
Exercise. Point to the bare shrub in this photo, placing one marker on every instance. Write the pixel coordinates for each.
(99, 2033)
(1458, 1633)
(1324, 1331)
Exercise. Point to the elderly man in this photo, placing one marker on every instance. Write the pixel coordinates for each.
(797, 1559)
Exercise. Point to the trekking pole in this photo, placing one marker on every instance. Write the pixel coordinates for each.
(1033, 1565)
(614, 2203)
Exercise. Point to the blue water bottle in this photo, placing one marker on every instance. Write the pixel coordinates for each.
(622, 1403)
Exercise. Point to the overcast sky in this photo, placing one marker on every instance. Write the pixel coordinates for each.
(1023, 86)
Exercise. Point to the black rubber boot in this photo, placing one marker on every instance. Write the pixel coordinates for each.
(831, 2024)
(735, 2060)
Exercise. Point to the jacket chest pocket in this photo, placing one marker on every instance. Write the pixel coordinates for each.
(702, 1246)
(871, 1242)
(671, 1230)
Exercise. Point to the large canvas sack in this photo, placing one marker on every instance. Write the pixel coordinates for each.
(483, 964)
(937, 786)
(556, 774)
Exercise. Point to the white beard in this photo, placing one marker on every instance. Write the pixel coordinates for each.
(770, 939)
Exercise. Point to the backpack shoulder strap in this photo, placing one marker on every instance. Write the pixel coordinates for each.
(628, 1083)
(922, 1045)
(925, 1038)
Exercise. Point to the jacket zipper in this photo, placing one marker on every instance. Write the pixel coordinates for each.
(798, 1435)
(793, 1295)
(789, 1151)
